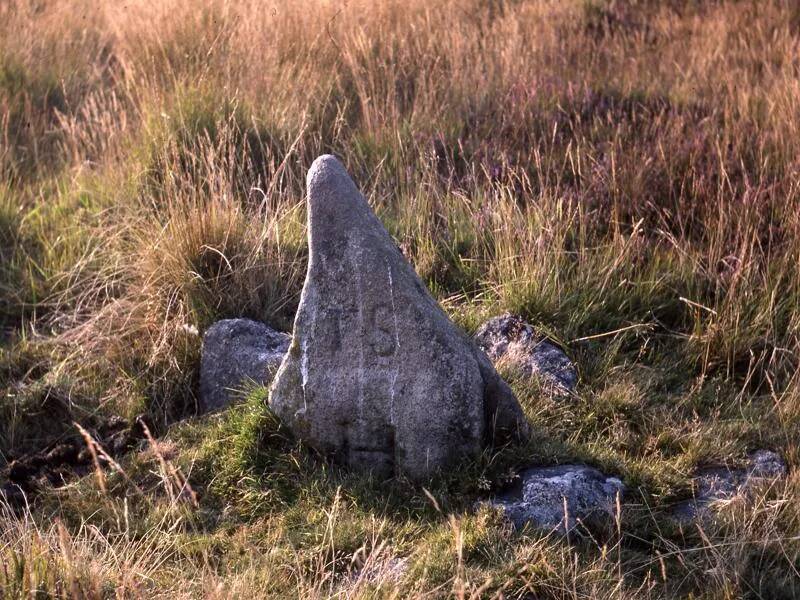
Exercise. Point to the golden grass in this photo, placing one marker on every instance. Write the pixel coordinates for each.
(624, 174)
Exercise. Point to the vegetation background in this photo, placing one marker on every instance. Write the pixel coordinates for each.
(622, 173)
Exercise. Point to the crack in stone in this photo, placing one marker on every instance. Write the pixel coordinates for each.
(397, 346)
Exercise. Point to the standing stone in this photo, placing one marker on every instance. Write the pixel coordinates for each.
(377, 376)
(235, 352)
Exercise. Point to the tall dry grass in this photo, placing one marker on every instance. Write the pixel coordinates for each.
(586, 163)
(622, 173)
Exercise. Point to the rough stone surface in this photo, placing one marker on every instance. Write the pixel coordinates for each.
(713, 484)
(509, 339)
(540, 495)
(235, 352)
(377, 376)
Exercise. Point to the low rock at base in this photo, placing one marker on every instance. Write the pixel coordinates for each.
(236, 352)
(510, 340)
(559, 497)
(714, 484)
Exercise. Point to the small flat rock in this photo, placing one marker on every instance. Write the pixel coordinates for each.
(509, 339)
(236, 352)
(539, 497)
(713, 484)
(377, 376)
(766, 465)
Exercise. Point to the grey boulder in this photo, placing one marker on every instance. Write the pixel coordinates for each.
(377, 376)
(715, 484)
(510, 340)
(559, 497)
(237, 352)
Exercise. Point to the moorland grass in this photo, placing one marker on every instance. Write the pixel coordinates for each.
(623, 174)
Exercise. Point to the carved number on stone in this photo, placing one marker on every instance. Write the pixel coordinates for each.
(383, 341)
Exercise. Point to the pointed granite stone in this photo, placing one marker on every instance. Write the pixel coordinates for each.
(377, 376)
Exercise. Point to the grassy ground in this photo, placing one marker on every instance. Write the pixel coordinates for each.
(623, 173)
